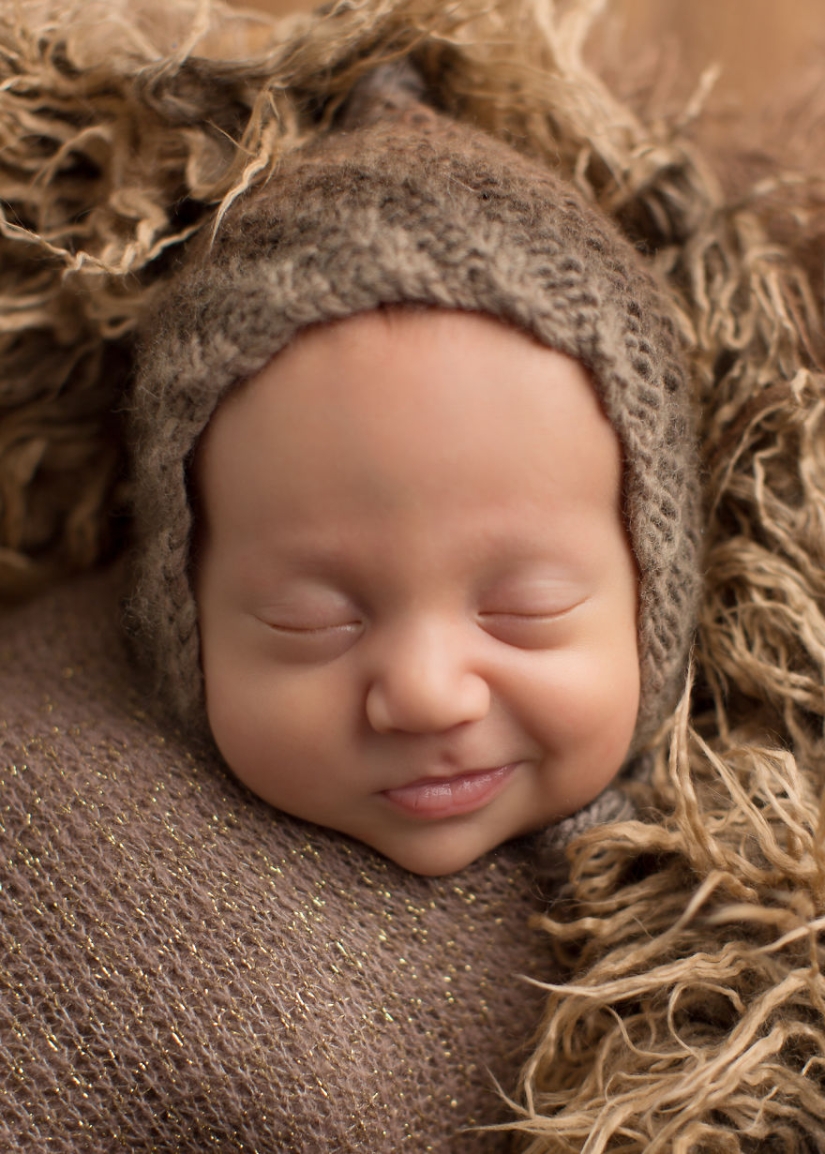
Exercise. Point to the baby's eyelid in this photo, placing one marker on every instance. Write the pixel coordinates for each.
(312, 630)
(532, 615)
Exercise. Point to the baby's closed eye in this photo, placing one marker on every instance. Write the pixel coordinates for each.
(533, 628)
(532, 612)
(311, 627)
(311, 623)
(309, 640)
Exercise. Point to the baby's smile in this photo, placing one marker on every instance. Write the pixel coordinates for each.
(417, 602)
(431, 798)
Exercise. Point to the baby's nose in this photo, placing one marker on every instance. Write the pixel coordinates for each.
(424, 683)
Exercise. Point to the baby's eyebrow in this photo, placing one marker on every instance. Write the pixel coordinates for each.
(530, 575)
(297, 553)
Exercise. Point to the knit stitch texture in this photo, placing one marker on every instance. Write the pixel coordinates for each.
(183, 970)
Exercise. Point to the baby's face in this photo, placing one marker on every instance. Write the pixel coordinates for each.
(417, 601)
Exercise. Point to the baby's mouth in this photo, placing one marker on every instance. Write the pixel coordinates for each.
(430, 798)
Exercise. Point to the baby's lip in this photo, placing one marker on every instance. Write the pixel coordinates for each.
(429, 798)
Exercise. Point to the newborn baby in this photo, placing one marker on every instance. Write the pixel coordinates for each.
(417, 600)
(417, 493)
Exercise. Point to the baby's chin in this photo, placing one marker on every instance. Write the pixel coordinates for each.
(437, 864)
(439, 849)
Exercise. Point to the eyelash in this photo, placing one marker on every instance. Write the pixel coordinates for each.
(517, 630)
(494, 613)
(510, 613)
(313, 630)
(317, 644)
(525, 630)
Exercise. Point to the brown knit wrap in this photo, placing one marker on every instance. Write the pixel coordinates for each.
(415, 208)
(183, 971)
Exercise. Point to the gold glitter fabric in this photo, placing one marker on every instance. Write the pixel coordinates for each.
(184, 969)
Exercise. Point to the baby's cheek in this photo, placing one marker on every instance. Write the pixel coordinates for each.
(272, 726)
(583, 720)
(585, 700)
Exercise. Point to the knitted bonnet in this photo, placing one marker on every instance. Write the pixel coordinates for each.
(398, 203)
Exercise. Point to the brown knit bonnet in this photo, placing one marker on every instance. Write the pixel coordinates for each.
(409, 206)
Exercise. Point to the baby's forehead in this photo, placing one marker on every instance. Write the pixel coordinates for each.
(413, 353)
(444, 422)
(412, 331)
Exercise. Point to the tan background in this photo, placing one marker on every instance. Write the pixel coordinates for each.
(757, 42)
